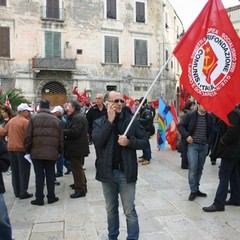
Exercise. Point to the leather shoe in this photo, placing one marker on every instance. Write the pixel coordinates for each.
(192, 196)
(140, 157)
(72, 186)
(212, 208)
(53, 200)
(145, 162)
(78, 195)
(201, 194)
(228, 203)
(25, 196)
(38, 202)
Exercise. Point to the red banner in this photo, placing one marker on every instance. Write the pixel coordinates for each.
(209, 54)
(81, 97)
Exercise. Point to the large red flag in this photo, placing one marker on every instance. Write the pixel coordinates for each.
(128, 100)
(209, 54)
(81, 97)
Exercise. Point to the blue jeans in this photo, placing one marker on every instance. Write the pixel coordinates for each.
(5, 226)
(196, 154)
(127, 195)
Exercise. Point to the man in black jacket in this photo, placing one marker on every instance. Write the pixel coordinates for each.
(117, 163)
(77, 147)
(227, 147)
(196, 129)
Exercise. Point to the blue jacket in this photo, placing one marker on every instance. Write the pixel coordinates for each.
(103, 137)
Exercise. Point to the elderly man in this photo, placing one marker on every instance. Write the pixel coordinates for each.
(44, 141)
(117, 164)
(96, 111)
(77, 147)
(15, 130)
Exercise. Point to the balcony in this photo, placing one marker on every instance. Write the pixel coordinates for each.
(53, 64)
(53, 14)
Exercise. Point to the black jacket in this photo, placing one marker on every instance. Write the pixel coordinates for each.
(227, 143)
(187, 126)
(103, 137)
(76, 139)
(3, 150)
(93, 114)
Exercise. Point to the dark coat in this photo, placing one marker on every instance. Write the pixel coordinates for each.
(187, 126)
(103, 137)
(227, 144)
(76, 138)
(3, 151)
(93, 114)
(44, 136)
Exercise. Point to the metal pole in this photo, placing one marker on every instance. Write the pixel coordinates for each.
(139, 107)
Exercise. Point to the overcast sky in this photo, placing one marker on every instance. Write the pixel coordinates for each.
(188, 10)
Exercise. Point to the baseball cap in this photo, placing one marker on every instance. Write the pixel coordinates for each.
(24, 107)
(57, 109)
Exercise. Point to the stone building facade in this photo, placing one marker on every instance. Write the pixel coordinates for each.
(234, 15)
(49, 46)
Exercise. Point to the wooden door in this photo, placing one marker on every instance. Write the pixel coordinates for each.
(55, 98)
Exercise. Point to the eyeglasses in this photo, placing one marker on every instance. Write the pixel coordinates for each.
(117, 100)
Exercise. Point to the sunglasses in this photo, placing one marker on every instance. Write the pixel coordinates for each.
(117, 100)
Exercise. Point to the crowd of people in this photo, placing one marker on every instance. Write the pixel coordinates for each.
(59, 136)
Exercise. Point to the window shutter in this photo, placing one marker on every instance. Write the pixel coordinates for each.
(111, 9)
(140, 12)
(52, 9)
(140, 52)
(4, 42)
(3, 2)
(48, 44)
(57, 45)
(111, 50)
(108, 49)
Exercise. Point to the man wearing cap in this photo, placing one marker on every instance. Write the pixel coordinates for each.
(15, 130)
(44, 141)
(58, 112)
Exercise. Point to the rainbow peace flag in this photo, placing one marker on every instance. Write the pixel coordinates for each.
(164, 119)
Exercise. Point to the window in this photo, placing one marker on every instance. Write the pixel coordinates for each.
(111, 9)
(140, 47)
(53, 44)
(111, 49)
(4, 42)
(3, 2)
(111, 88)
(52, 9)
(166, 58)
(140, 12)
(166, 20)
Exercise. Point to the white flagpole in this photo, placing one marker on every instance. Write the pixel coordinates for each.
(140, 105)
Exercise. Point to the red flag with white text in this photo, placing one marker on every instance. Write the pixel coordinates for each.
(209, 54)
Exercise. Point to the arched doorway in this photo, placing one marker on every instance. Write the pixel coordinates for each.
(54, 92)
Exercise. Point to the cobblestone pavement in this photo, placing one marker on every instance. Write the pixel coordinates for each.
(161, 201)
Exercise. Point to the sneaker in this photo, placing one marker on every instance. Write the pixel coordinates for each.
(145, 162)
(201, 194)
(68, 172)
(212, 208)
(192, 196)
(38, 202)
(58, 175)
(53, 200)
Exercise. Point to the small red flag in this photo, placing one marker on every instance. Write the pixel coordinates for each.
(7, 102)
(81, 97)
(129, 101)
(172, 133)
(209, 54)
